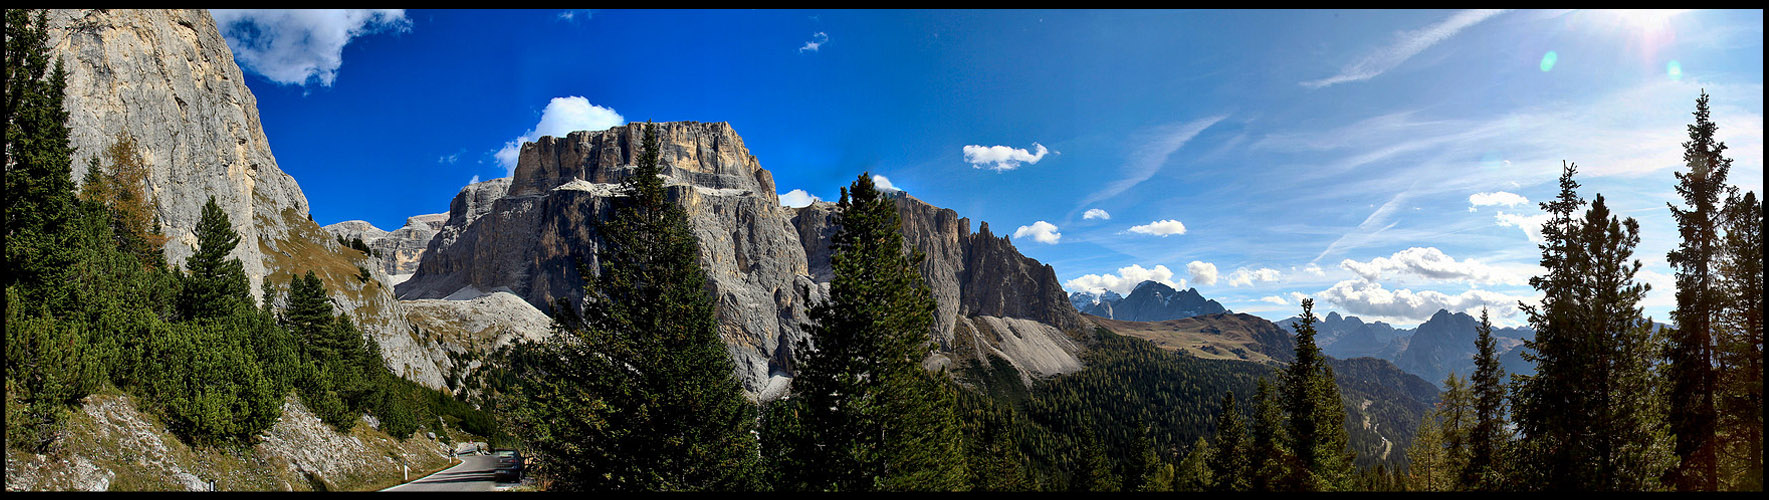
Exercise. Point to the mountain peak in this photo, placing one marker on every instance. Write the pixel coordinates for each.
(1333, 317)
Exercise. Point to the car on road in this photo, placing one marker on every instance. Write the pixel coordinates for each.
(509, 468)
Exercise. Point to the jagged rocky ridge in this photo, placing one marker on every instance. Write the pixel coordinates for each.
(1149, 301)
(167, 78)
(1441, 345)
(398, 251)
(766, 263)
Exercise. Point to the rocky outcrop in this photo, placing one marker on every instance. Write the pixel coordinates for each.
(765, 263)
(399, 251)
(111, 444)
(167, 78)
(530, 238)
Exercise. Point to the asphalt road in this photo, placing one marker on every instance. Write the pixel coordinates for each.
(474, 473)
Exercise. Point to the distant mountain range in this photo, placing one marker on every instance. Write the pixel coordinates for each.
(1149, 301)
(1434, 349)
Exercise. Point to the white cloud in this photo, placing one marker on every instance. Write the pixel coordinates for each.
(1510, 200)
(449, 158)
(1202, 272)
(883, 183)
(563, 115)
(1161, 228)
(1311, 268)
(1297, 297)
(1275, 300)
(571, 15)
(1530, 224)
(1125, 281)
(1363, 298)
(474, 180)
(1246, 277)
(1431, 263)
(1002, 158)
(1041, 231)
(816, 42)
(1405, 46)
(293, 47)
(1094, 213)
(798, 198)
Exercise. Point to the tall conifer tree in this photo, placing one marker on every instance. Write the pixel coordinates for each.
(874, 418)
(638, 392)
(1699, 298)
(1489, 436)
(1317, 415)
(1269, 460)
(39, 162)
(1740, 350)
(1228, 466)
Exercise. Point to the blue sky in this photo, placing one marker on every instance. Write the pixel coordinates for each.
(1386, 163)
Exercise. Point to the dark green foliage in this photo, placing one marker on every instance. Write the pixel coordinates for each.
(872, 418)
(1317, 415)
(1228, 467)
(1193, 472)
(1591, 417)
(1740, 348)
(1489, 437)
(1690, 353)
(214, 285)
(210, 385)
(1269, 458)
(637, 392)
(39, 172)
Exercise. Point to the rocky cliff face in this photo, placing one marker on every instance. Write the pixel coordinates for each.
(766, 263)
(167, 78)
(399, 251)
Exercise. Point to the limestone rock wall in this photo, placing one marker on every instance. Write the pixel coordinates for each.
(167, 78)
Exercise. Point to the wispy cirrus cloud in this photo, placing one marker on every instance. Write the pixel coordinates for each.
(1405, 45)
(1151, 155)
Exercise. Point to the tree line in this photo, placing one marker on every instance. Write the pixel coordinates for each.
(1615, 403)
(92, 305)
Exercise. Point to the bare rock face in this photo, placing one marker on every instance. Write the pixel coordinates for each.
(765, 263)
(529, 238)
(987, 296)
(167, 78)
(399, 251)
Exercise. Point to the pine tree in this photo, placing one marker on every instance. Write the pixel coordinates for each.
(1591, 415)
(1229, 465)
(1425, 457)
(1740, 349)
(1193, 472)
(1456, 415)
(215, 285)
(1269, 461)
(39, 171)
(1546, 455)
(665, 411)
(1690, 354)
(875, 418)
(1146, 467)
(120, 185)
(1317, 415)
(1488, 438)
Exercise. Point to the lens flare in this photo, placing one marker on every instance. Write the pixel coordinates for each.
(1675, 69)
(1548, 60)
